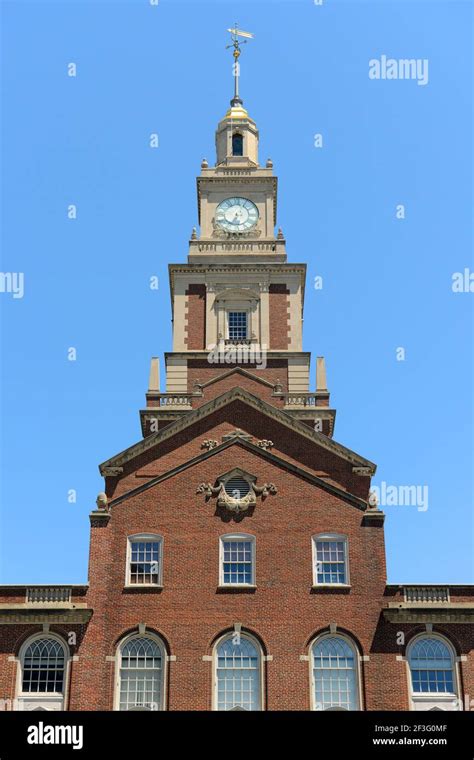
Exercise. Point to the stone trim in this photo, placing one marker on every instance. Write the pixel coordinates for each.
(51, 617)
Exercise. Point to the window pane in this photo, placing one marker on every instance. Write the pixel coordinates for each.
(238, 675)
(141, 675)
(237, 561)
(145, 562)
(43, 667)
(330, 561)
(431, 666)
(335, 674)
(237, 323)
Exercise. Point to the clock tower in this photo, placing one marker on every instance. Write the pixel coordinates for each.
(237, 304)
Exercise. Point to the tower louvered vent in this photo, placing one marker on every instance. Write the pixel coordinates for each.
(237, 488)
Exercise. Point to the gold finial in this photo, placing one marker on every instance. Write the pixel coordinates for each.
(236, 43)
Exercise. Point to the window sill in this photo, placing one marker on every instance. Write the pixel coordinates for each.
(340, 588)
(142, 588)
(228, 588)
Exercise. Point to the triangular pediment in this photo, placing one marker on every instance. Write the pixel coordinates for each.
(275, 459)
(254, 405)
(237, 371)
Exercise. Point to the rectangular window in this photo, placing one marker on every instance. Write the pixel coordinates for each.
(237, 325)
(145, 562)
(330, 561)
(237, 562)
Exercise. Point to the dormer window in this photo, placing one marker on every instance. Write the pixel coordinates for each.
(237, 144)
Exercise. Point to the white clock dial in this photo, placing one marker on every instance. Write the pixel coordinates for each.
(236, 215)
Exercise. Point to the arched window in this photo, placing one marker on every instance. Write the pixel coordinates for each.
(237, 144)
(42, 673)
(432, 668)
(335, 674)
(238, 673)
(141, 669)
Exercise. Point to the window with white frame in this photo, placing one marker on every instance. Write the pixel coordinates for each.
(330, 560)
(237, 560)
(237, 325)
(43, 667)
(42, 677)
(335, 674)
(431, 662)
(141, 669)
(238, 673)
(144, 560)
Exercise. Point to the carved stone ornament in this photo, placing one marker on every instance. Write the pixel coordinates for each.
(372, 502)
(102, 502)
(208, 444)
(237, 433)
(236, 491)
(278, 388)
(264, 444)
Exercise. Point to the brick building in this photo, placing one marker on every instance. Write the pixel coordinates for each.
(236, 559)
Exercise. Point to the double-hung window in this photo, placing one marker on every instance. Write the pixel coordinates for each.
(237, 560)
(330, 560)
(145, 560)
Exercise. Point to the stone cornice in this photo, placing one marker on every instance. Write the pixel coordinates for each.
(236, 394)
(254, 268)
(270, 354)
(15, 616)
(461, 612)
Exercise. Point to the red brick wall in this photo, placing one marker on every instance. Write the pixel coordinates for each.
(190, 611)
(279, 317)
(276, 370)
(195, 327)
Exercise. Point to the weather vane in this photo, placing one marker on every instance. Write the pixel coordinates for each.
(236, 43)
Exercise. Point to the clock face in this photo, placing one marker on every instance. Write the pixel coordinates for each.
(236, 215)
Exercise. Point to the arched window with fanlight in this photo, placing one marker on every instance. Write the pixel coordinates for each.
(335, 674)
(141, 664)
(238, 677)
(432, 673)
(42, 678)
(237, 144)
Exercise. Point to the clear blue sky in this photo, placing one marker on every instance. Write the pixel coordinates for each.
(387, 282)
